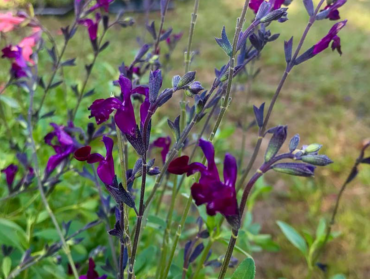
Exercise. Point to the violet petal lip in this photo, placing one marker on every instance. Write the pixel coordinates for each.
(210, 190)
(105, 168)
(331, 36)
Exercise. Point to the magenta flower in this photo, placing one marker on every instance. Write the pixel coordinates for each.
(125, 115)
(10, 172)
(106, 165)
(331, 36)
(173, 39)
(92, 26)
(19, 65)
(164, 143)
(101, 4)
(91, 273)
(333, 9)
(63, 147)
(219, 196)
(255, 4)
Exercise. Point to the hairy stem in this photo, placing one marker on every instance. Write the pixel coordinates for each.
(337, 202)
(80, 96)
(177, 237)
(193, 21)
(42, 193)
(56, 67)
(107, 227)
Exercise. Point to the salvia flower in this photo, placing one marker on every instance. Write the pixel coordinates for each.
(92, 26)
(8, 22)
(333, 37)
(64, 146)
(91, 273)
(219, 196)
(255, 4)
(19, 65)
(333, 9)
(10, 172)
(173, 39)
(28, 43)
(106, 164)
(125, 115)
(164, 143)
(101, 4)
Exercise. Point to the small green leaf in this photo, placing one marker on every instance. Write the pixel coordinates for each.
(246, 270)
(338, 276)
(7, 265)
(293, 236)
(321, 228)
(9, 101)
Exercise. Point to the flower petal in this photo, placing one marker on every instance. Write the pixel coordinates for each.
(83, 153)
(102, 108)
(179, 165)
(230, 170)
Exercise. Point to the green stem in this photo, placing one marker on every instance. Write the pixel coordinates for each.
(203, 258)
(42, 193)
(56, 67)
(161, 196)
(96, 53)
(178, 234)
(107, 227)
(164, 248)
(193, 21)
(337, 202)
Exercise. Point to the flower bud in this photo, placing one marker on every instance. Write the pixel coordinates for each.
(195, 87)
(274, 15)
(297, 169)
(317, 160)
(276, 142)
(315, 147)
(186, 79)
(294, 143)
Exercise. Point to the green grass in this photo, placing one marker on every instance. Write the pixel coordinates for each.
(325, 100)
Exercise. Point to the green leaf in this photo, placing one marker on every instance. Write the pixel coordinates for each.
(246, 270)
(321, 228)
(7, 265)
(293, 236)
(338, 276)
(9, 101)
(11, 233)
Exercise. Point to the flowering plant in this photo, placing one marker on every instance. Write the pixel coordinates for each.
(128, 123)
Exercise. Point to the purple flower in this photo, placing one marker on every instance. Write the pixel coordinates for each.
(255, 4)
(19, 65)
(331, 36)
(106, 165)
(10, 172)
(91, 273)
(173, 39)
(63, 147)
(92, 27)
(219, 196)
(333, 9)
(164, 143)
(101, 4)
(125, 114)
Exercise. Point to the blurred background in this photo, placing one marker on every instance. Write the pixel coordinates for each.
(325, 100)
